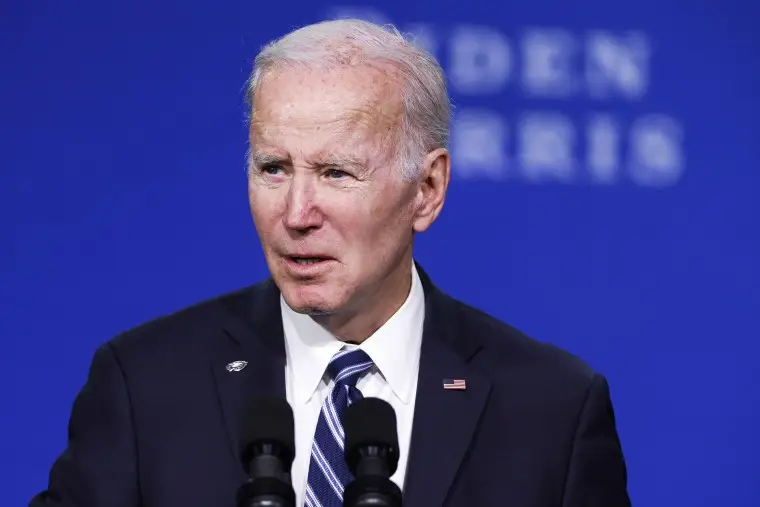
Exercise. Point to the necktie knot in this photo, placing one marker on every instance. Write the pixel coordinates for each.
(348, 365)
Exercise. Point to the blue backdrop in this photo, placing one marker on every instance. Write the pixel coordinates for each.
(605, 174)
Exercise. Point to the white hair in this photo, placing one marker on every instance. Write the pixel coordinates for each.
(426, 119)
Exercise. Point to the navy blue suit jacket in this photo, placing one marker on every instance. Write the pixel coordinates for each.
(156, 423)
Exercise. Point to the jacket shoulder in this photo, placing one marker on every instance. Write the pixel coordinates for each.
(506, 347)
(192, 328)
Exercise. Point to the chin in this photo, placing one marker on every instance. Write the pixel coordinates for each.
(310, 300)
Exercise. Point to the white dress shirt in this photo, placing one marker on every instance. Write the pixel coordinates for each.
(395, 351)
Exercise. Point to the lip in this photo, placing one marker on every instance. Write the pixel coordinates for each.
(299, 270)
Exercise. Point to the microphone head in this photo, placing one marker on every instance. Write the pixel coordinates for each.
(267, 423)
(370, 422)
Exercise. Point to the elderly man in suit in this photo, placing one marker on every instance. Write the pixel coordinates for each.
(348, 162)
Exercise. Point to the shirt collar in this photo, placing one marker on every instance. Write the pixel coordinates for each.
(309, 348)
(394, 348)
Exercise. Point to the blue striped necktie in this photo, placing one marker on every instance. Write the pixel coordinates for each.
(328, 472)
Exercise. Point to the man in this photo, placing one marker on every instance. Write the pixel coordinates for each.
(348, 161)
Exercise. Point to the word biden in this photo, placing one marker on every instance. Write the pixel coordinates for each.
(575, 99)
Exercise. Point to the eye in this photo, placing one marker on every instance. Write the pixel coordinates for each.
(336, 174)
(271, 169)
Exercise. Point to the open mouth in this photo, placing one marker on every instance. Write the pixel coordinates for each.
(307, 260)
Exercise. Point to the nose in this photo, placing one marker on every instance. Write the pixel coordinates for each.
(302, 212)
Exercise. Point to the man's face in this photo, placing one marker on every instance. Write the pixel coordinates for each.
(334, 218)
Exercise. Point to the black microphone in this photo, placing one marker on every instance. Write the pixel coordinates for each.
(371, 450)
(267, 448)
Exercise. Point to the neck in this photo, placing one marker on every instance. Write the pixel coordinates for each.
(361, 322)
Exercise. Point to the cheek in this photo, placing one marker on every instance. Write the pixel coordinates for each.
(265, 206)
(371, 224)
(392, 208)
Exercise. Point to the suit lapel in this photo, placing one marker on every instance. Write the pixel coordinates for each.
(253, 334)
(445, 421)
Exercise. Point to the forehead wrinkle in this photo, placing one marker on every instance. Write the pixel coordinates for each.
(366, 119)
(352, 131)
(370, 116)
(377, 124)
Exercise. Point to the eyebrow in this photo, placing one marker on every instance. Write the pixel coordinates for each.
(259, 159)
(337, 161)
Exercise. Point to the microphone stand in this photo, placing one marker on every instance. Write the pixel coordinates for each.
(269, 484)
(372, 486)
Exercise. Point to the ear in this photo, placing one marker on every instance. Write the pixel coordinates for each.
(434, 181)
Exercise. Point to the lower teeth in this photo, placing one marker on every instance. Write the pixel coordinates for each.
(307, 261)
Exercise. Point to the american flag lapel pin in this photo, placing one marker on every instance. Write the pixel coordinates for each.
(455, 384)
